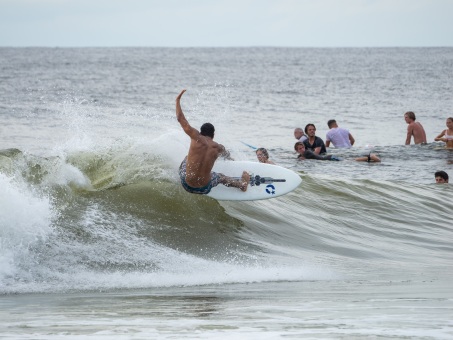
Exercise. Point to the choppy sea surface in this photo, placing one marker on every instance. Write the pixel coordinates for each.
(99, 240)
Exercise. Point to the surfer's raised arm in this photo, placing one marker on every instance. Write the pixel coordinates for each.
(189, 130)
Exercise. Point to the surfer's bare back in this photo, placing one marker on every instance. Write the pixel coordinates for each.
(195, 171)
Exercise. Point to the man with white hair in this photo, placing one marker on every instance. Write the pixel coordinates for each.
(299, 134)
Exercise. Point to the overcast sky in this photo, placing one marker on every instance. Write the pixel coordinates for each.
(304, 23)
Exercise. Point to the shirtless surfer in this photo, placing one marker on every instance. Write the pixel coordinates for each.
(195, 170)
(414, 129)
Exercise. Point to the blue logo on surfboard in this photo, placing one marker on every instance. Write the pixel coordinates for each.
(270, 189)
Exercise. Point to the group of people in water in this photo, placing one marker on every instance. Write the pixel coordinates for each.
(196, 172)
(310, 146)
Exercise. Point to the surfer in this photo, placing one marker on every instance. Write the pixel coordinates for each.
(195, 171)
(447, 135)
(307, 154)
(263, 156)
(414, 129)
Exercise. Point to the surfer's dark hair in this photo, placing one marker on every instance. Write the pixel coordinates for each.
(331, 122)
(308, 125)
(297, 144)
(441, 174)
(207, 129)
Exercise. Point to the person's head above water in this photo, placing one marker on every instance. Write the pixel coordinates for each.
(409, 116)
(207, 129)
(441, 177)
(449, 122)
(310, 129)
(299, 147)
(298, 133)
(332, 123)
(262, 155)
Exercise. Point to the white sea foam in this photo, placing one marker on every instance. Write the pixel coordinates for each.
(25, 218)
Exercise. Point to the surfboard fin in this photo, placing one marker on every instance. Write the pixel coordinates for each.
(258, 180)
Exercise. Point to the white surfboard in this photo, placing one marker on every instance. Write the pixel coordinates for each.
(267, 181)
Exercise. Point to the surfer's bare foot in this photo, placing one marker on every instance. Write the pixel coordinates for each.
(245, 181)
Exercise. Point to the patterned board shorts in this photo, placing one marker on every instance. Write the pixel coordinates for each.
(215, 180)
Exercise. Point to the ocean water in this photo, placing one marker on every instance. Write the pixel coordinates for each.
(99, 240)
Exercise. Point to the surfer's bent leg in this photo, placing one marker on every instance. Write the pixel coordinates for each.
(234, 182)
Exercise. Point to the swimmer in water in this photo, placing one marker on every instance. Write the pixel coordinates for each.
(447, 135)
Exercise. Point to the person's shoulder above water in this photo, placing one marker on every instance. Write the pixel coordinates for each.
(340, 137)
(414, 129)
(446, 135)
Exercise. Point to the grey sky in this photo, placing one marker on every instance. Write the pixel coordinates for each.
(305, 23)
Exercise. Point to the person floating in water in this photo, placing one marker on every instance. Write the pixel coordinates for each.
(195, 171)
(263, 156)
(447, 135)
(307, 154)
(414, 129)
(304, 153)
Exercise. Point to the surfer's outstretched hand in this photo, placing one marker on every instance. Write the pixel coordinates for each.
(180, 95)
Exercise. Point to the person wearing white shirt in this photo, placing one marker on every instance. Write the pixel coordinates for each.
(340, 138)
